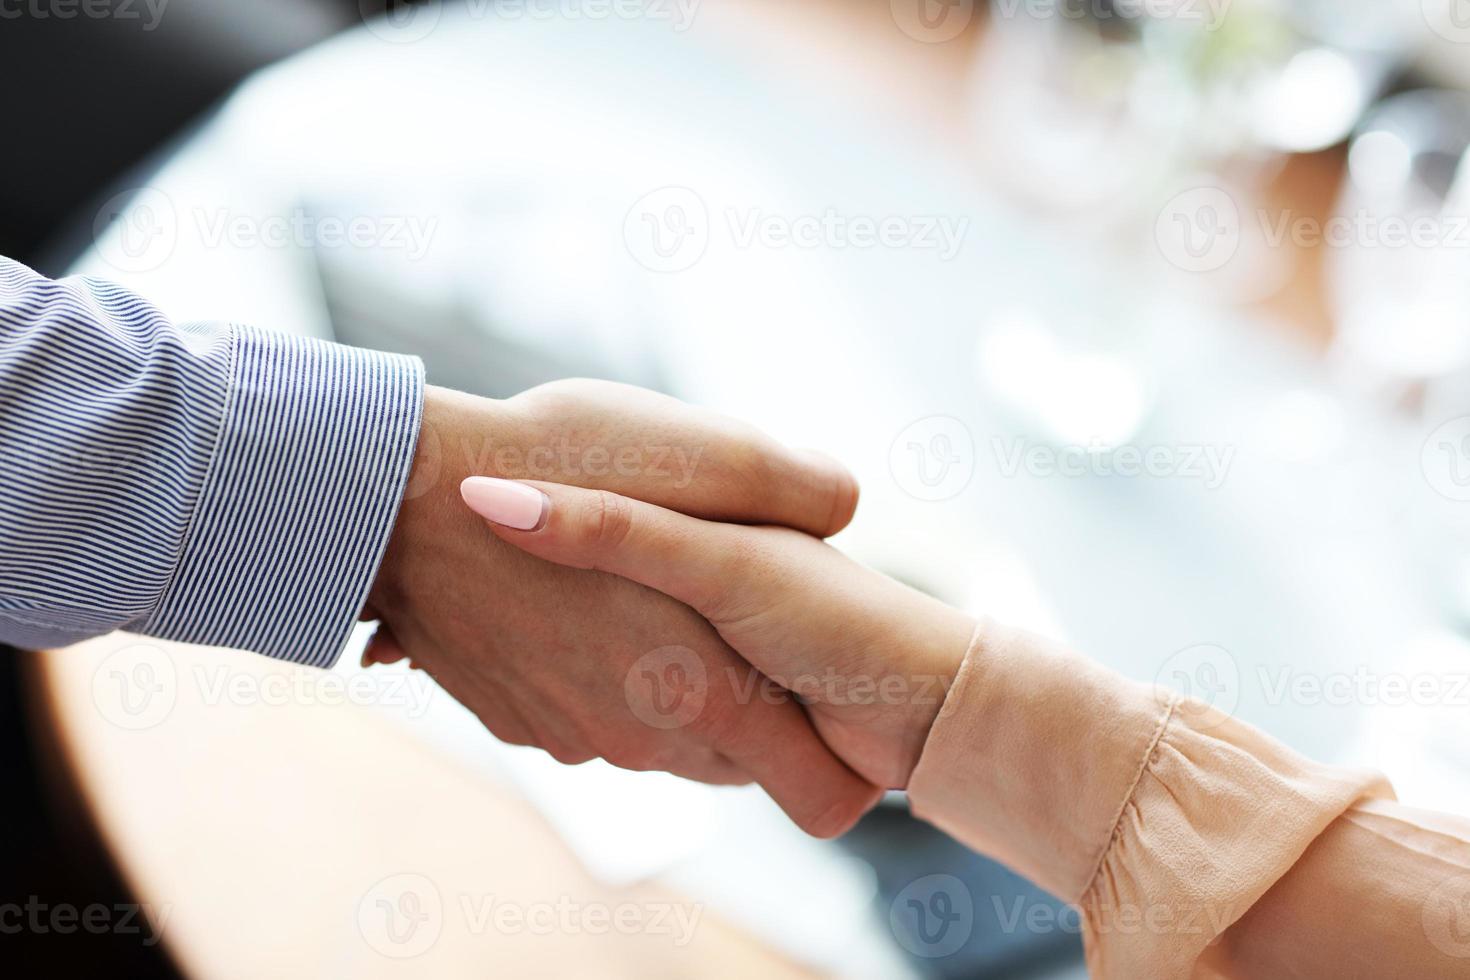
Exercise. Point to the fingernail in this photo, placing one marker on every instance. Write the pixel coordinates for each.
(506, 502)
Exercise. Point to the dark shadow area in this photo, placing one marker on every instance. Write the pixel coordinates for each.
(89, 97)
(64, 911)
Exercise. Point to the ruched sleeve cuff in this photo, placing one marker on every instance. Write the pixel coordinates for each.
(1161, 818)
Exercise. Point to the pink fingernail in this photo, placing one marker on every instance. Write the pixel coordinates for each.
(506, 502)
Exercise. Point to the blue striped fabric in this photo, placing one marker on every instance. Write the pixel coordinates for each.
(206, 483)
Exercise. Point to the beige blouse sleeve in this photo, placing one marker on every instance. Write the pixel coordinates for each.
(1193, 845)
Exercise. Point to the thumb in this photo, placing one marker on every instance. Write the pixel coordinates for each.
(680, 556)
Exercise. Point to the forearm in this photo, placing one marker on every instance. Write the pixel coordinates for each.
(1163, 820)
(206, 483)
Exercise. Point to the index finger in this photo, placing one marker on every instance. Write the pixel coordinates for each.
(670, 552)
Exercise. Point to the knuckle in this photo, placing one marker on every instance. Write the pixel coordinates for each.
(837, 818)
(643, 756)
(568, 756)
(610, 519)
(724, 722)
(544, 398)
(742, 575)
(511, 736)
(571, 396)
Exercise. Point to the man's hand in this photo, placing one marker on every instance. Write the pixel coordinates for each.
(872, 659)
(585, 664)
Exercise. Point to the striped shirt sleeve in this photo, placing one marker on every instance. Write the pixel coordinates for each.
(204, 483)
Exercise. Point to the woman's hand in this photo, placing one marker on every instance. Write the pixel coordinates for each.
(871, 658)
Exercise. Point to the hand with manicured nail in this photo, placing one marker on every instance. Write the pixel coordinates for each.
(871, 659)
(585, 664)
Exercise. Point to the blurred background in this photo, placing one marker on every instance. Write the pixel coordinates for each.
(1144, 323)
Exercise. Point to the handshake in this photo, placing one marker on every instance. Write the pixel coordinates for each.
(665, 601)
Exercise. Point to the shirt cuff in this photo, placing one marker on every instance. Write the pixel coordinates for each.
(1163, 819)
(311, 463)
(1033, 753)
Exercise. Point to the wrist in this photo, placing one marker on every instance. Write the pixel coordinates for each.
(458, 433)
(935, 658)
